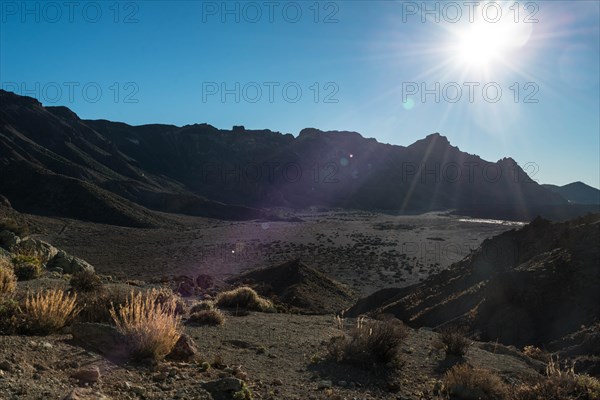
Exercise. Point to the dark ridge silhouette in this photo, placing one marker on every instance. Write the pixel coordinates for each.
(126, 172)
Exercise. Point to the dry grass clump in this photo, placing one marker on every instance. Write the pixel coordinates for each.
(152, 328)
(8, 280)
(536, 353)
(85, 281)
(49, 311)
(203, 305)
(246, 298)
(207, 317)
(96, 305)
(560, 384)
(453, 341)
(166, 296)
(464, 382)
(368, 343)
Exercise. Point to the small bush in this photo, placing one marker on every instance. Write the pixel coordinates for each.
(49, 311)
(26, 271)
(536, 353)
(244, 297)
(560, 384)
(10, 316)
(27, 266)
(167, 296)
(95, 306)
(85, 281)
(464, 382)
(369, 342)
(8, 280)
(9, 224)
(204, 305)
(454, 342)
(207, 317)
(151, 328)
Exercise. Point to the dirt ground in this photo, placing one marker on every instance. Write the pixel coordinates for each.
(367, 251)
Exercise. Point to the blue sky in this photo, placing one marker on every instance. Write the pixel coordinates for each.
(371, 67)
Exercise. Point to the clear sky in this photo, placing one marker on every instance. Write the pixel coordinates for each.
(518, 79)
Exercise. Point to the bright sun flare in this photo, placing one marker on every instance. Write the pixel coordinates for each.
(484, 44)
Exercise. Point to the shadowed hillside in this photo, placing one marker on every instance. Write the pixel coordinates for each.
(122, 172)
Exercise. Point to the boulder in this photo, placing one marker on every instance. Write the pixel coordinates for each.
(102, 338)
(38, 248)
(186, 289)
(223, 388)
(185, 349)
(87, 375)
(204, 281)
(9, 240)
(68, 263)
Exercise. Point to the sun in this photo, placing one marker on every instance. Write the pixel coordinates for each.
(481, 45)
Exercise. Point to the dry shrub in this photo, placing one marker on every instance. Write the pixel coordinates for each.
(207, 317)
(27, 267)
(244, 297)
(86, 281)
(166, 296)
(204, 305)
(95, 306)
(453, 341)
(10, 316)
(463, 382)
(536, 353)
(8, 280)
(369, 342)
(49, 311)
(151, 328)
(560, 384)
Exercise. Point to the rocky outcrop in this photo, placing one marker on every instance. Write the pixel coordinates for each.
(68, 264)
(37, 248)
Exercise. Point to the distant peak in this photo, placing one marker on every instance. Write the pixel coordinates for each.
(436, 136)
(507, 160)
(434, 139)
(313, 132)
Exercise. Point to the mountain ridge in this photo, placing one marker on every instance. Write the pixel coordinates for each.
(238, 174)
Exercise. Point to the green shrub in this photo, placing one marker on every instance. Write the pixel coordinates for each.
(245, 298)
(26, 271)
